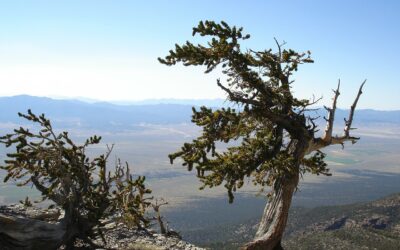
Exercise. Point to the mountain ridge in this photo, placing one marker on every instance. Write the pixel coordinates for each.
(146, 113)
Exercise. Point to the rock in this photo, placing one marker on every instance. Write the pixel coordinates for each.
(117, 235)
(336, 224)
(376, 221)
(110, 225)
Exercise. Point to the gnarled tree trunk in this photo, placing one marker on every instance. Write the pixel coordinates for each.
(276, 212)
(274, 219)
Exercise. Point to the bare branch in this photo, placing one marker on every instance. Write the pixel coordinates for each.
(313, 126)
(315, 100)
(159, 203)
(156, 207)
(331, 116)
(327, 139)
(311, 103)
(109, 150)
(349, 121)
(279, 48)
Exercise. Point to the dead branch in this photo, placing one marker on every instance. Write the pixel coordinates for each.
(349, 121)
(331, 116)
(156, 207)
(327, 139)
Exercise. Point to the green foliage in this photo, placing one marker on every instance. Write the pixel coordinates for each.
(83, 187)
(316, 164)
(269, 121)
(130, 198)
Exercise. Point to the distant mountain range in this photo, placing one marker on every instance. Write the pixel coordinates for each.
(74, 113)
(102, 115)
(197, 102)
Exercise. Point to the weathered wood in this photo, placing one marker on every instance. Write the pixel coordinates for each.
(327, 139)
(46, 215)
(274, 219)
(276, 212)
(26, 233)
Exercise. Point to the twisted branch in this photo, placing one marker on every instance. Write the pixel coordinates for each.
(327, 139)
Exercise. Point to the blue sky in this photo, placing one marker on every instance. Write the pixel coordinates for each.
(108, 50)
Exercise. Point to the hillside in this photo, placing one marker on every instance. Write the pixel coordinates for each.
(372, 225)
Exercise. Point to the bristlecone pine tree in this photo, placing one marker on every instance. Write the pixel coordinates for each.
(277, 141)
(82, 187)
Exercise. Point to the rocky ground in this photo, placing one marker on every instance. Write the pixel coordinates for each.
(373, 225)
(117, 235)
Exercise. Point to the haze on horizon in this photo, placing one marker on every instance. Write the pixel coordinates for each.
(107, 50)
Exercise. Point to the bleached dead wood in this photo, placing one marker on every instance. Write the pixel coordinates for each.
(327, 139)
(26, 233)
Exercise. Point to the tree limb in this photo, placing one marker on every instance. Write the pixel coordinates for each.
(58, 199)
(236, 97)
(331, 116)
(327, 139)
(349, 121)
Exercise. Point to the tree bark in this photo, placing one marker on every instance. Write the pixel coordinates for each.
(276, 213)
(28, 230)
(29, 234)
(275, 216)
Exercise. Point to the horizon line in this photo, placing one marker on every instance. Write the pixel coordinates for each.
(153, 101)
